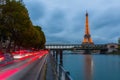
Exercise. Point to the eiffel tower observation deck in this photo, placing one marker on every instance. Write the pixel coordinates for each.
(87, 37)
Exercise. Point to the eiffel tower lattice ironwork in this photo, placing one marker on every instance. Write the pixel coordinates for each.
(87, 37)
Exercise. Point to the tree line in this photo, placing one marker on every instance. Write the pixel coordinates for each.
(16, 28)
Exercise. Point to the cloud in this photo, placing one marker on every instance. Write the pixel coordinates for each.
(64, 20)
(36, 10)
(55, 23)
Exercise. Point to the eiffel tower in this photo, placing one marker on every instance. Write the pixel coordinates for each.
(87, 37)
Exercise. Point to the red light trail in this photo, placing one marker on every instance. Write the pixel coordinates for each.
(4, 75)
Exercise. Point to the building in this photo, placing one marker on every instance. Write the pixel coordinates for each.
(112, 47)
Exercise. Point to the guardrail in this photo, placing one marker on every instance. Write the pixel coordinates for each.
(61, 73)
(64, 75)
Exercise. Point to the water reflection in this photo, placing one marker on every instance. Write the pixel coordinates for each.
(93, 67)
(88, 67)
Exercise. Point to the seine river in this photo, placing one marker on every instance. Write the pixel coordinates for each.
(92, 67)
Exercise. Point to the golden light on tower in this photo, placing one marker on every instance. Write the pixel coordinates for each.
(87, 37)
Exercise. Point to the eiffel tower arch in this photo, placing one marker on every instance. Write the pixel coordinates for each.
(87, 37)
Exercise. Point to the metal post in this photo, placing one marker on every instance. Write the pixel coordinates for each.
(56, 56)
(61, 57)
(53, 53)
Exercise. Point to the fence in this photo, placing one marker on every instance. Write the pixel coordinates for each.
(61, 73)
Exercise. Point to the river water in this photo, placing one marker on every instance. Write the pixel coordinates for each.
(92, 67)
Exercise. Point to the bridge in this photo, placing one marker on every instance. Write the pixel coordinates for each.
(86, 49)
(56, 50)
(75, 47)
(61, 46)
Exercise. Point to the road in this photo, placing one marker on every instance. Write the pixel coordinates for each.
(25, 69)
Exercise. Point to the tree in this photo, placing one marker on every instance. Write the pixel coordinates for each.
(15, 21)
(42, 37)
(17, 27)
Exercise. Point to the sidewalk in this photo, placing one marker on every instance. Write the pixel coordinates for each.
(50, 73)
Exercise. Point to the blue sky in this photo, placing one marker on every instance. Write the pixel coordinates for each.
(63, 21)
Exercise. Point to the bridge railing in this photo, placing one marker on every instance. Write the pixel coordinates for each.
(64, 75)
(61, 73)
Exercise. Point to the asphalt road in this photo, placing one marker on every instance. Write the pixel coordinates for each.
(28, 69)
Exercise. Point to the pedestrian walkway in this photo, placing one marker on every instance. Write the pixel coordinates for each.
(50, 75)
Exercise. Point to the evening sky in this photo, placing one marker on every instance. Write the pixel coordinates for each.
(63, 21)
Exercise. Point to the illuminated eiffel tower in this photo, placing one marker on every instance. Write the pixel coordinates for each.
(87, 37)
